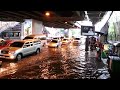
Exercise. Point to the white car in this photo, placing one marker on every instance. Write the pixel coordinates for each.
(20, 48)
(54, 43)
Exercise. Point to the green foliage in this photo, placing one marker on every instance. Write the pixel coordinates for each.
(111, 32)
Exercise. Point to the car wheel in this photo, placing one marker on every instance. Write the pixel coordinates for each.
(18, 57)
(37, 51)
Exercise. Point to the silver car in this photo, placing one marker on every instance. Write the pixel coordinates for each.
(20, 48)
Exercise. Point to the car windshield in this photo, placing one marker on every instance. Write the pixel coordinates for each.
(17, 44)
(28, 38)
(3, 43)
(43, 38)
(77, 38)
(55, 38)
(65, 39)
(54, 41)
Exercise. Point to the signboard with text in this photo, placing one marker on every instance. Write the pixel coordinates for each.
(87, 30)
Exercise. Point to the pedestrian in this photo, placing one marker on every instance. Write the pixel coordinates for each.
(99, 50)
(90, 32)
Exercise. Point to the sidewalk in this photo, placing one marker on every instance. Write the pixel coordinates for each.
(92, 56)
(99, 66)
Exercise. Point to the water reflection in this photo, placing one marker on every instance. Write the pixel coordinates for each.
(65, 62)
(10, 69)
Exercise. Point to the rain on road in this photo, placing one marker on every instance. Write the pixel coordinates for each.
(66, 62)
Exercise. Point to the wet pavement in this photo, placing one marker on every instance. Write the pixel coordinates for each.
(66, 62)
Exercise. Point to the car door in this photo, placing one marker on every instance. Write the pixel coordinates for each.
(33, 47)
(26, 48)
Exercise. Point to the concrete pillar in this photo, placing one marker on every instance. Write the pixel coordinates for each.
(66, 32)
(31, 26)
(37, 27)
(22, 30)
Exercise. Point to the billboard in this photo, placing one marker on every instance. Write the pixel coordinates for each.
(27, 27)
(87, 30)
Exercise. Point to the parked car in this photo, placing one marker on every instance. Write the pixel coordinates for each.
(77, 41)
(41, 37)
(20, 48)
(54, 43)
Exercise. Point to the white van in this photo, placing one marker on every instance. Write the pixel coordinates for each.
(40, 37)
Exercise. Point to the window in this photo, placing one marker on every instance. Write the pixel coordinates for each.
(5, 34)
(77, 38)
(35, 42)
(54, 41)
(65, 39)
(28, 38)
(17, 44)
(43, 38)
(27, 44)
(3, 43)
(16, 34)
(11, 34)
(31, 43)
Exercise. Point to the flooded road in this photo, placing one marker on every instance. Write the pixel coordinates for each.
(66, 62)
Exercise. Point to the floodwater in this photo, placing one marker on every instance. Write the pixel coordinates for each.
(66, 62)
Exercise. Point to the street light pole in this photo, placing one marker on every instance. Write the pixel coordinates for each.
(87, 44)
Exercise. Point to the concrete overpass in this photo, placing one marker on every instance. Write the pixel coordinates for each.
(57, 19)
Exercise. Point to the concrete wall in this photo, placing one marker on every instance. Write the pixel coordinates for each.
(37, 27)
(31, 26)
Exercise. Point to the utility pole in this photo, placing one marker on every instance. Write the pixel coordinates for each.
(87, 44)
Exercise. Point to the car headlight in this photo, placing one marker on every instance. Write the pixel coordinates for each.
(11, 52)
